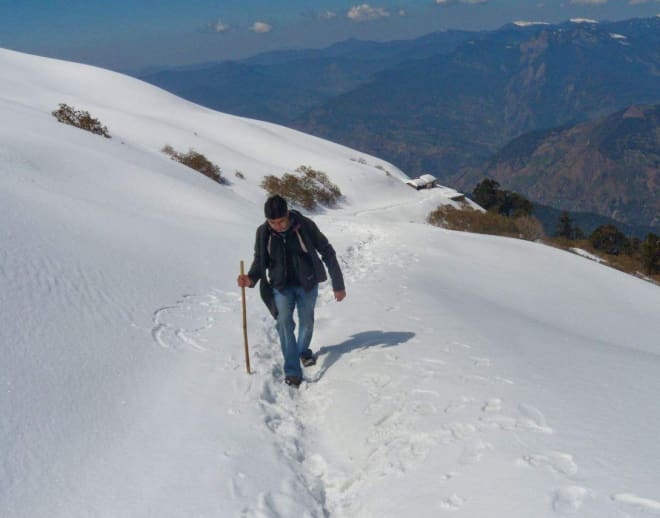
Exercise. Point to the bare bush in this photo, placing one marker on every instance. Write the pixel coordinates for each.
(80, 119)
(307, 188)
(198, 162)
(530, 228)
(359, 160)
(387, 173)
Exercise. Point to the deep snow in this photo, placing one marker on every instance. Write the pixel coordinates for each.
(464, 375)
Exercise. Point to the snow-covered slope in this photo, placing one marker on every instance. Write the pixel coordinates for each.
(464, 375)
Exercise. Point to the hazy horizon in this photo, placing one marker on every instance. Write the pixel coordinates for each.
(129, 36)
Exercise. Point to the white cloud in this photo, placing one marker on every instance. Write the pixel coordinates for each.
(327, 15)
(261, 27)
(219, 26)
(456, 2)
(402, 12)
(365, 13)
(589, 2)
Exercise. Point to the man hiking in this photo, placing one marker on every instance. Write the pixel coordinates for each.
(288, 266)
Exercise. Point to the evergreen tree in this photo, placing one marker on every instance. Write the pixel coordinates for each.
(610, 240)
(565, 226)
(486, 193)
(650, 249)
(513, 205)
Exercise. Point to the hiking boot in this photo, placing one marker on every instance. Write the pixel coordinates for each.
(308, 361)
(293, 381)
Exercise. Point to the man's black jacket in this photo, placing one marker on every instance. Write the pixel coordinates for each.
(270, 256)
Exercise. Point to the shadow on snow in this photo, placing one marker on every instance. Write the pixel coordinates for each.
(332, 353)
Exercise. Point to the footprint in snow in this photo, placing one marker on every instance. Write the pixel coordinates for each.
(474, 451)
(642, 504)
(236, 484)
(556, 461)
(459, 404)
(480, 362)
(569, 499)
(492, 405)
(451, 503)
(532, 418)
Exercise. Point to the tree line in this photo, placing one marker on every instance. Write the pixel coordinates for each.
(607, 238)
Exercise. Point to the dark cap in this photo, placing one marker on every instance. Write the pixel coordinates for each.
(275, 207)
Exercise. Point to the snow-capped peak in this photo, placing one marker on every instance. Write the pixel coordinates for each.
(524, 23)
(583, 20)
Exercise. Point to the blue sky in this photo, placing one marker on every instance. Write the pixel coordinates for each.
(125, 35)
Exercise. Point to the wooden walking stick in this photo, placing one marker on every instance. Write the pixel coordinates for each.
(245, 339)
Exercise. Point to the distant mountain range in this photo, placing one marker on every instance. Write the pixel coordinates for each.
(450, 103)
(609, 166)
(452, 111)
(281, 86)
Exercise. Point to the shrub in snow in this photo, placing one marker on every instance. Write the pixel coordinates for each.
(198, 162)
(306, 187)
(470, 220)
(240, 175)
(80, 119)
(387, 173)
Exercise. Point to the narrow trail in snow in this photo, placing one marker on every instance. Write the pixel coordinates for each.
(286, 409)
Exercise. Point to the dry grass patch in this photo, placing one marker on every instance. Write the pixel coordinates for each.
(633, 263)
(468, 219)
(643, 261)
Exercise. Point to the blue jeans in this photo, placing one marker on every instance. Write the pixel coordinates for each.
(293, 349)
